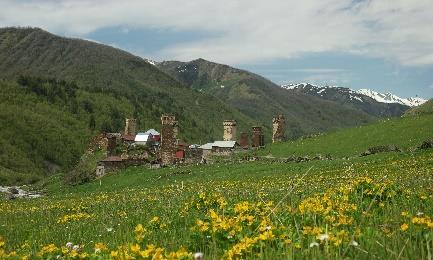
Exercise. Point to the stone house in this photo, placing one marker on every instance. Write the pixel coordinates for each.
(224, 147)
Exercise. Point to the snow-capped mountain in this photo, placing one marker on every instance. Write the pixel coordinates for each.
(358, 95)
(391, 98)
(368, 101)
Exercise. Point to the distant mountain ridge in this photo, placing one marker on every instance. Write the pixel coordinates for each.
(262, 99)
(360, 94)
(391, 98)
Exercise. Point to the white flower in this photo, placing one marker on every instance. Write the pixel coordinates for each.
(69, 245)
(323, 237)
(76, 248)
(109, 229)
(268, 227)
(354, 243)
(314, 244)
(419, 214)
(198, 256)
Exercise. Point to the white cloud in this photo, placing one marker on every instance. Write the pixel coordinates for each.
(251, 30)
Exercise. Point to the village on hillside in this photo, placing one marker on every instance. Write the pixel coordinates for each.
(164, 148)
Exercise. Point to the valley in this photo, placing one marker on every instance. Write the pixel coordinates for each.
(107, 155)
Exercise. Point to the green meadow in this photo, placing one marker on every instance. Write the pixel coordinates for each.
(377, 206)
(406, 133)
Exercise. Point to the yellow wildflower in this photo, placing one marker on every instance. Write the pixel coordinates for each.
(154, 220)
(135, 248)
(114, 254)
(267, 235)
(100, 247)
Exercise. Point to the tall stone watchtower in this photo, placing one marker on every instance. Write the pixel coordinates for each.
(258, 139)
(278, 129)
(229, 130)
(130, 126)
(243, 141)
(169, 132)
(111, 144)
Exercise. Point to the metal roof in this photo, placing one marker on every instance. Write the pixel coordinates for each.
(128, 137)
(224, 144)
(140, 137)
(152, 132)
(207, 146)
(221, 144)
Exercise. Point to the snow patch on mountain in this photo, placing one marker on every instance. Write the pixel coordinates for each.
(151, 62)
(358, 95)
(391, 98)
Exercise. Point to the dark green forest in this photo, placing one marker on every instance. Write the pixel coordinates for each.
(47, 123)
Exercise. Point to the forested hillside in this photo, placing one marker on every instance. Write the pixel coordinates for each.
(92, 66)
(57, 93)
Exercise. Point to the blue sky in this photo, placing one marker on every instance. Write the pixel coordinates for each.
(379, 44)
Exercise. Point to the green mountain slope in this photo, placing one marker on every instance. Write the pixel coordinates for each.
(37, 134)
(43, 127)
(405, 133)
(151, 92)
(258, 97)
(424, 109)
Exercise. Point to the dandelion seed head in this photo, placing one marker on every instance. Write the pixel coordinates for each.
(198, 256)
(314, 244)
(354, 243)
(323, 237)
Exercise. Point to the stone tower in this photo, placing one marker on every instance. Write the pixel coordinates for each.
(243, 141)
(130, 126)
(278, 129)
(169, 132)
(258, 139)
(229, 130)
(111, 144)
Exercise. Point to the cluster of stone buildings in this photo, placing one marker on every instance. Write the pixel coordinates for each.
(165, 148)
(257, 136)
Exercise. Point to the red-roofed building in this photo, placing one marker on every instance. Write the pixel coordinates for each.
(128, 138)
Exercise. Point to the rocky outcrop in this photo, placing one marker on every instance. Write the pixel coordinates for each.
(381, 149)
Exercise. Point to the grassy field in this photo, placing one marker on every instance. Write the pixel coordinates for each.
(372, 207)
(405, 133)
(378, 206)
